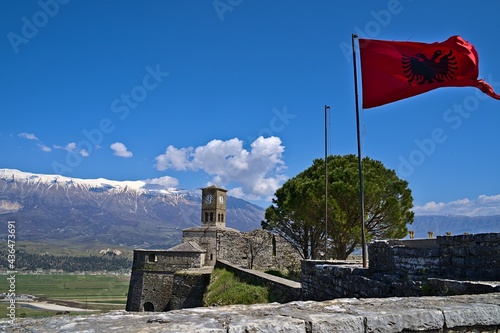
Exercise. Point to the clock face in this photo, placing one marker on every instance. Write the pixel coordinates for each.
(209, 199)
(221, 199)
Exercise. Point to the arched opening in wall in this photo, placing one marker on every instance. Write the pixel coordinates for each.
(149, 307)
(211, 216)
(152, 258)
(206, 217)
(211, 257)
(222, 217)
(218, 217)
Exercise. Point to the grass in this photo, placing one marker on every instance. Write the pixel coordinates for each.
(100, 292)
(225, 289)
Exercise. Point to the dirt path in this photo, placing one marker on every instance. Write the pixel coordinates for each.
(53, 307)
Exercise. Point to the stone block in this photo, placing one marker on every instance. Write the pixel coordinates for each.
(266, 324)
(479, 314)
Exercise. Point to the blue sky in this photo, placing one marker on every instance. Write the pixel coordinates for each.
(232, 92)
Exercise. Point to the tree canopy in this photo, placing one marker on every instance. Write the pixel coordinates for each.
(298, 209)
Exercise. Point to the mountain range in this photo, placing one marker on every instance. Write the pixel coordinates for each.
(454, 224)
(52, 208)
(146, 214)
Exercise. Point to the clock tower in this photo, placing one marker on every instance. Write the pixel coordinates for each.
(213, 206)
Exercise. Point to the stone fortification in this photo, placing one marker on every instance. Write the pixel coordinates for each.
(447, 265)
(155, 284)
(466, 257)
(466, 313)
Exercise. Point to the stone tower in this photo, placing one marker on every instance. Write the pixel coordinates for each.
(213, 207)
(213, 231)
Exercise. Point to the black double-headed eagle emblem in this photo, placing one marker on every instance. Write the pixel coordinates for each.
(420, 69)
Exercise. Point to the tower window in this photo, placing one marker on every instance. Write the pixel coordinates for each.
(222, 217)
(218, 217)
(206, 217)
(211, 216)
(152, 258)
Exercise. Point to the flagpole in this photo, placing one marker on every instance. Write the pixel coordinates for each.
(360, 169)
(326, 181)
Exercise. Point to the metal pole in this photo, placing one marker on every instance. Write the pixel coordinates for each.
(326, 180)
(360, 169)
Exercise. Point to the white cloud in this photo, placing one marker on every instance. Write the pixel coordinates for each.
(72, 148)
(482, 206)
(28, 136)
(258, 172)
(44, 148)
(173, 158)
(165, 181)
(31, 136)
(69, 147)
(121, 150)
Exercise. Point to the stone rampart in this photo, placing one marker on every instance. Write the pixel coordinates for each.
(448, 265)
(188, 288)
(464, 257)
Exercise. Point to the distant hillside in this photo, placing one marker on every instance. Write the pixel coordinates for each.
(50, 208)
(455, 224)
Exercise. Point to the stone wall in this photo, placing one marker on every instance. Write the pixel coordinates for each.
(466, 257)
(149, 291)
(208, 239)
(442, 266)
(152, 278)
(259, 249)
(188, 289)
(165, 261)
(408, 258)
(470, 257)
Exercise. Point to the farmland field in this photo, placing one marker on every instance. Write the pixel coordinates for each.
(98, 292)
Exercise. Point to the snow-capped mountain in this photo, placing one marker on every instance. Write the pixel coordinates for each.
(132, 213)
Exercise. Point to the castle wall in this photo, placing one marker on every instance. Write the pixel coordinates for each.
(164, 260)
(188, 289)
(409, 268)
(258, 249)
(207, 238)
(470, 257)
(152, 277)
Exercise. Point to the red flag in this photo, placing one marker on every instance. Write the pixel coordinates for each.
(396, 70)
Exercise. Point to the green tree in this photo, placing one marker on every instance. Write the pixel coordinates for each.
(298, 210)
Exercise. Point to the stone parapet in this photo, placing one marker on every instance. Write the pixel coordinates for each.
(466, 313)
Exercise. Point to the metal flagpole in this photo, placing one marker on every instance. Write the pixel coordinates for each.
(360, 170)
(326, 180)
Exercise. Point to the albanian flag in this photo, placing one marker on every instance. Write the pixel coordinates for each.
(396, 70)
